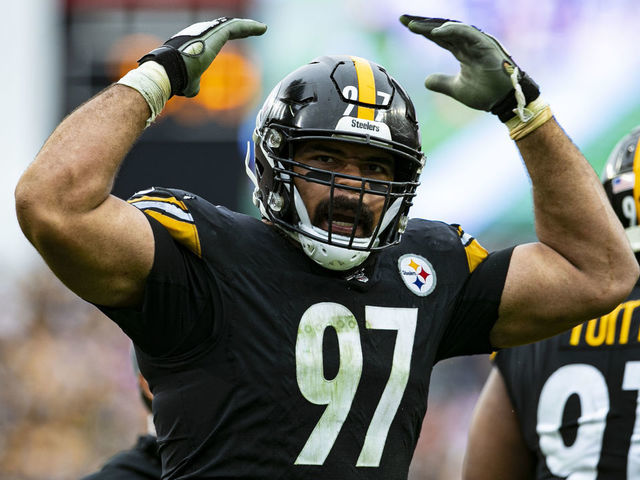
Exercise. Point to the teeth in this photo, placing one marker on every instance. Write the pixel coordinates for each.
(342, 224)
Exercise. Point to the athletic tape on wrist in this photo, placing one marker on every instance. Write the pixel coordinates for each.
(538, 113)
(152, 82)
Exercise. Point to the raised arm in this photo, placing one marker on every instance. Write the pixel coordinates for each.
(582, 267)
(567, 276)
(101, 247)
(97, 244)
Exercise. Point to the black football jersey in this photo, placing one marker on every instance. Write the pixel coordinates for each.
(577, 397)
(142, 462)
(265, 365)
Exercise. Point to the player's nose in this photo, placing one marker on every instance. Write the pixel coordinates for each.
(349, 168)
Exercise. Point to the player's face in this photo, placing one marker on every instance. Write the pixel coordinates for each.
(349, 159)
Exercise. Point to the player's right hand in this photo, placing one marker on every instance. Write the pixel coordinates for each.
(188, 54)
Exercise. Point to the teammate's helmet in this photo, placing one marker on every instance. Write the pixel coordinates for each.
(621, 180)
(343, 99)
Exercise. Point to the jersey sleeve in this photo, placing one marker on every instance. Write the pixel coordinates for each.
(476, 307)
(177, 312)
(504, 360)
(522, 367)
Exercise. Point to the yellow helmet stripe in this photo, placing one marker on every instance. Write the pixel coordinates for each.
(636, 184)
(366, 87)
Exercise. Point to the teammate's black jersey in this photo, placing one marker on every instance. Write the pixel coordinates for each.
(577, 397)
(142, 462)
(265, 365)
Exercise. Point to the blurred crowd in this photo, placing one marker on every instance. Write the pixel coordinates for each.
(69, 397)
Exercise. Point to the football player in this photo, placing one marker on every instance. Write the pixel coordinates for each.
(142, 461)
(569, 406)
(301, 346)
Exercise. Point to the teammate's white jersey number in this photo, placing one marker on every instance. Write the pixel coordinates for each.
(579, 461)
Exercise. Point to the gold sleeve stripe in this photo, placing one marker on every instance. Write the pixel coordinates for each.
(476, 253)
(636, 183)
(183, 232)
(171, 200)
(171, 209)
(366, 87)
(174, 215)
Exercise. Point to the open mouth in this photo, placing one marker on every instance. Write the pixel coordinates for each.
(342, 224)
(343, 218)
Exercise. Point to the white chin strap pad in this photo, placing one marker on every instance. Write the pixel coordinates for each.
(332, 257)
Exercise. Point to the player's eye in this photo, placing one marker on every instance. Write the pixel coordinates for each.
(326, 159)
(378, 169)
(374, 168)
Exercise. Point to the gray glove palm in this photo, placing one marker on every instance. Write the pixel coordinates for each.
(486, 80)
(188, 54)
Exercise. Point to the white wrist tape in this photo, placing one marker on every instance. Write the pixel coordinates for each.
(151, 80)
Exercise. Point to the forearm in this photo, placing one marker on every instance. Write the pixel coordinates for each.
(75, 169)
(572, 213)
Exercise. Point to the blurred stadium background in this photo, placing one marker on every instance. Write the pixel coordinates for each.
(68, 397)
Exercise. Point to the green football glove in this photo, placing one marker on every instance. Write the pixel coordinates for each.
(187, 54)
(488, 80)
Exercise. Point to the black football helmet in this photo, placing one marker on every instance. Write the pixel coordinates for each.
(343, 99)
(621, 181)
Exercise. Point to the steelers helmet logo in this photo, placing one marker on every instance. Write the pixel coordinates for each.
(417, 274)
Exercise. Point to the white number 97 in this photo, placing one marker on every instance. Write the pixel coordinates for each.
(338, 393)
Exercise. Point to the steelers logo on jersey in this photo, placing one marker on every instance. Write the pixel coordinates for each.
(417, 274)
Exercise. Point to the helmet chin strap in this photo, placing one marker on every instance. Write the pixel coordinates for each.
(252, 176)
(247, 165)
(391, 213)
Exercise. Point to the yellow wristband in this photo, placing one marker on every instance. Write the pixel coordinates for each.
(537, 113)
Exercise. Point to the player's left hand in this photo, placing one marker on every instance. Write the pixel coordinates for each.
(488, 80)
